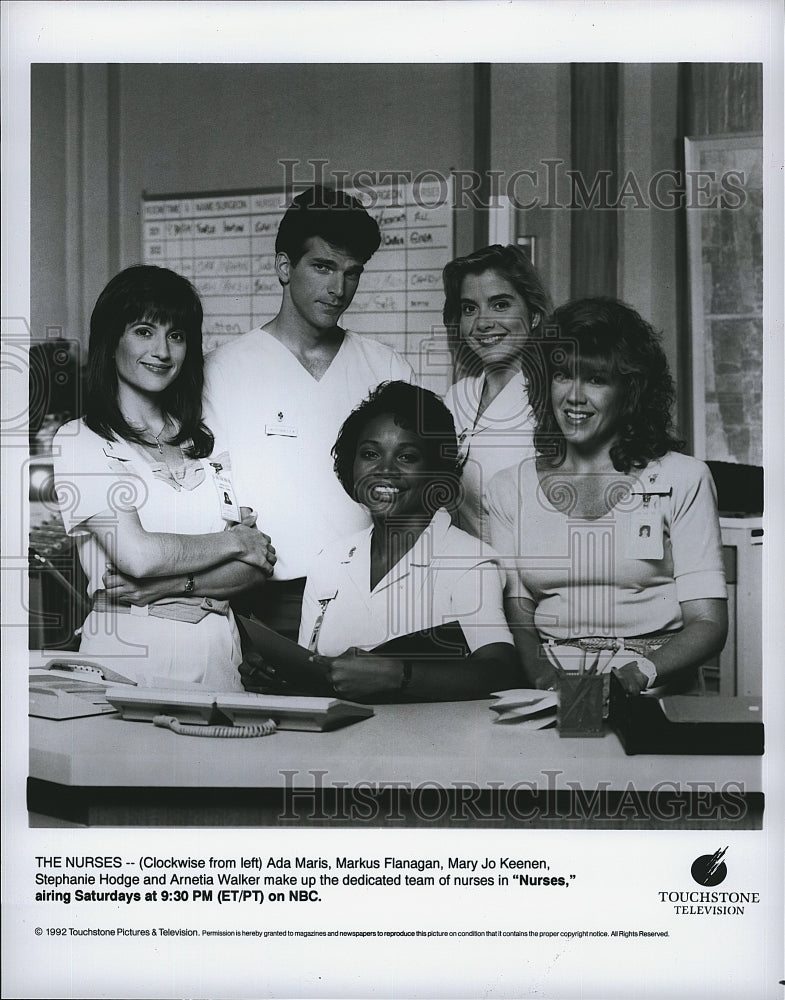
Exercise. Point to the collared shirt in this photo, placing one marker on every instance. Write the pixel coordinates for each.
(501, 436)
(623, 574)
(279, 424)
(444, 577)
(93, 475)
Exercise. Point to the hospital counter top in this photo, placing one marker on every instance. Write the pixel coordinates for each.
(408, 765)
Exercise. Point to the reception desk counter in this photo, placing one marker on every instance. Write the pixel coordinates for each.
(409, 765)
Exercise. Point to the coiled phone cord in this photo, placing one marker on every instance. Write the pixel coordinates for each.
(233, 732)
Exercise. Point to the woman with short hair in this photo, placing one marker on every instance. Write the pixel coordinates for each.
(412, 571)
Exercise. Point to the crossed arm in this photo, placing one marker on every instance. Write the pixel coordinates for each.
(144, 566)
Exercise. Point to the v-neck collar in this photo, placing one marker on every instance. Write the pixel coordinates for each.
(497, 407)
(419, 556)
(497, 410)
(298, 363)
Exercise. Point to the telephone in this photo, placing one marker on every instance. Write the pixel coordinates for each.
(71, 688)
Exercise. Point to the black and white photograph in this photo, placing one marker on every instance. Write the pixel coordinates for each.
(392, 486)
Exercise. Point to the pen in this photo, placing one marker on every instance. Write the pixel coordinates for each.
(553, 660)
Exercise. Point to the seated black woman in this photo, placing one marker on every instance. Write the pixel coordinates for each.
(412, 570)
(611, 537)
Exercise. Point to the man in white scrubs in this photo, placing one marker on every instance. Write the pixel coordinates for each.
(276, 397)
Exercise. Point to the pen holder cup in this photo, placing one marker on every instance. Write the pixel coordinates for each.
(580, 709)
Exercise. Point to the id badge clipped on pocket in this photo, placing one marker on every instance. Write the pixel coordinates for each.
(227, 501)
(646, 529)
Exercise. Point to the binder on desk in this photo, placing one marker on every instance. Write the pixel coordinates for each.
(288, 668)
(440, 642)
(686, 724)
(285, 667)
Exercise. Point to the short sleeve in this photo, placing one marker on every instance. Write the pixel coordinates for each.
(696, 543)
(401, 370)
(476, 600)
(459, 400)
(449, 401)
(213, 395)
(90, 478)
(502, 508)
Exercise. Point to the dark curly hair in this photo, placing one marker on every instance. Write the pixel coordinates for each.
(606, 329)
(334, 216)
(415, 409)
(157, 295)
(511, 263)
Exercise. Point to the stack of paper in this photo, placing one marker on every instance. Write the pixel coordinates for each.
(528, 707)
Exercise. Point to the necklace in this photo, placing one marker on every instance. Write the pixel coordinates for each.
(157, 437)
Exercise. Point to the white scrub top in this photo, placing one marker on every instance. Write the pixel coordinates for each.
(444, 577)
(279, 424)
(500, 437)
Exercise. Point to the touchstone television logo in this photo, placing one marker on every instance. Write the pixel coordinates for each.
(710, 869)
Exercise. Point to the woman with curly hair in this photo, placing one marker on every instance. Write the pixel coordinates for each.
(411, 572)
(494, 300)
(613, 534)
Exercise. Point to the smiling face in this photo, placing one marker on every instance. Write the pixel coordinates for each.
(587, 399)
(495, 320)
(321, 286)
(149, 357)
(390, 469)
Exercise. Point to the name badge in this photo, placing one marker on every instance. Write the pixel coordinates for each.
(324, 603)
(227, 501)
(464, 444)
(645, 533)
(280, 430)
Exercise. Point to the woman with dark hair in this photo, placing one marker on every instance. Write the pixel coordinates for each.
(412, 571)
(159, 531)
(615, 535)
(494, 299)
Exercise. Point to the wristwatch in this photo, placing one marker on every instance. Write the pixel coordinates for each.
(190, 583)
